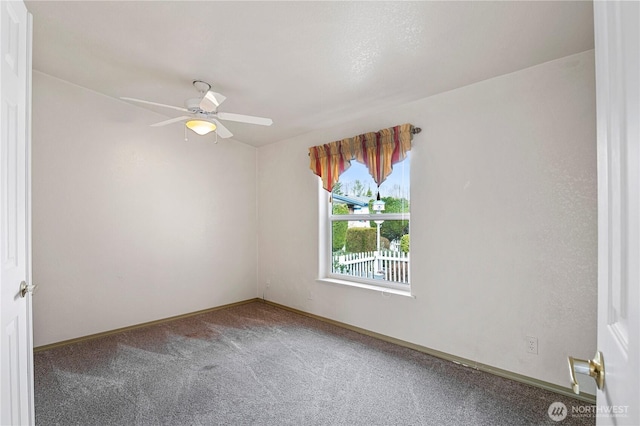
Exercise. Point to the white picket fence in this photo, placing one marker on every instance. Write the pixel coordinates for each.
(387, 265)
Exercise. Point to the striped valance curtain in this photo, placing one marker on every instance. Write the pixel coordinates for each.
(378, 151)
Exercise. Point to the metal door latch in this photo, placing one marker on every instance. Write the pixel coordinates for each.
(593, 367)
(24, 289)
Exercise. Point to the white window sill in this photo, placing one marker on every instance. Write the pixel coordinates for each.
(383, 290)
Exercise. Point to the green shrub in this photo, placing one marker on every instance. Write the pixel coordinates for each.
(361, 240)
(339, 235)
(339, 229)
(404, 243)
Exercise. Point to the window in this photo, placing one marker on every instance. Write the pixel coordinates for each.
(364, 228)
(367, 238)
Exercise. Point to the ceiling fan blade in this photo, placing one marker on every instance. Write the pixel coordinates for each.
(222, 131)
(211, 101)
(142, 101)
(172, 120)
(241, 118)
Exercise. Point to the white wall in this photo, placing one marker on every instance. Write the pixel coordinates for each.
(503, 228)
(131, 223)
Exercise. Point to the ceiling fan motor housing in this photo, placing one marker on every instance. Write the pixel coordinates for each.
(193, 105)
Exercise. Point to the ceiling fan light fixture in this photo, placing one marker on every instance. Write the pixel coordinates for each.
(201, 127)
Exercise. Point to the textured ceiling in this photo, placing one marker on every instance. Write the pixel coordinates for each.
(306, 65)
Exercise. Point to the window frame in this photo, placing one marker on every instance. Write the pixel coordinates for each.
(326, 219)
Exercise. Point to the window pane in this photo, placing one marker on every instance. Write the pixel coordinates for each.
(357, 250)
(357, 182)
(356, 190)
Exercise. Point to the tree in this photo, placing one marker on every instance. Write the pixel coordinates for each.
(339, 228)
(337, 188)
(393, 229)
(358, 188)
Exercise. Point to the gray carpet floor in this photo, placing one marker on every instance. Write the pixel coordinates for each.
(257, 364)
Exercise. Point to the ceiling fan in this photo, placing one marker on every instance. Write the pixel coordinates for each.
(204, 113)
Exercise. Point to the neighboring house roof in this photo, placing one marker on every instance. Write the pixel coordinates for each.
(352, 199)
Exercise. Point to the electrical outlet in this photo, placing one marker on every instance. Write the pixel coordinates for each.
(268, 283)
(532, 345)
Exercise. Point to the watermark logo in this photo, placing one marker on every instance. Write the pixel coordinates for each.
(557, 411)
(600, 411)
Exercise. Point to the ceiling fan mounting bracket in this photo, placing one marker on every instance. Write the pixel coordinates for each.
(201, 86)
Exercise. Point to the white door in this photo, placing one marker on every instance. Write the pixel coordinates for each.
(16, 355)
(617, 44)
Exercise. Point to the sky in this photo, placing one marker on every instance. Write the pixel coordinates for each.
(398, 178)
